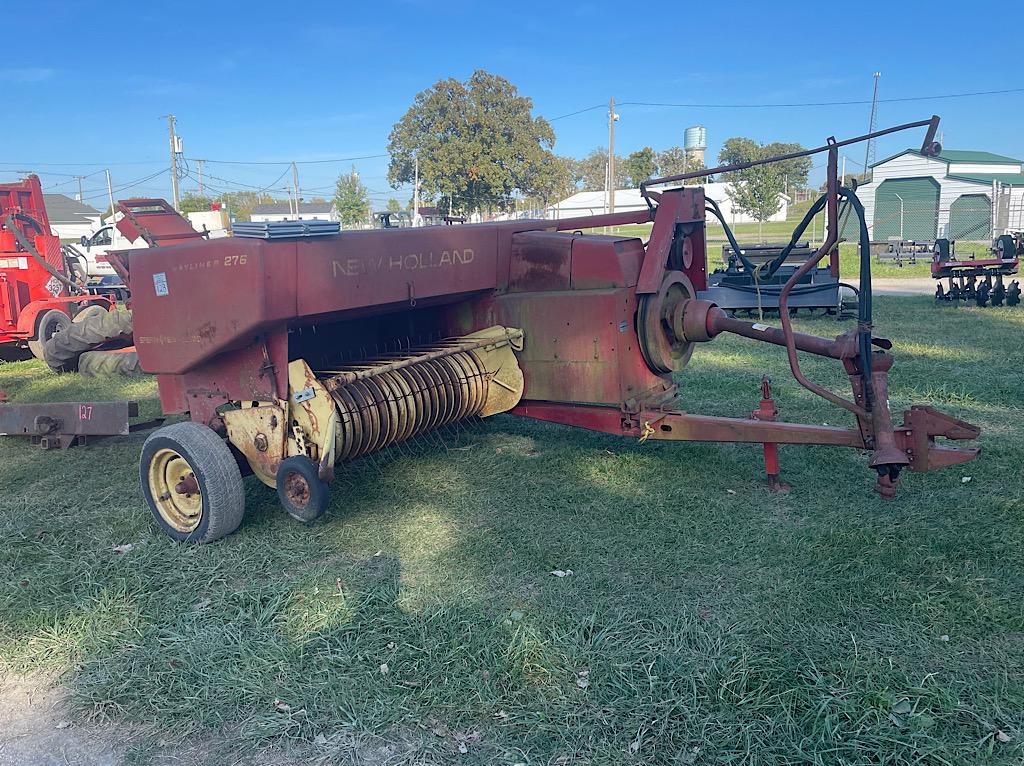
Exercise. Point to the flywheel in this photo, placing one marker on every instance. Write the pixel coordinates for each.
(663, 348)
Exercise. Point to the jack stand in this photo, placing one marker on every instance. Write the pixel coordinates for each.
(767, 412)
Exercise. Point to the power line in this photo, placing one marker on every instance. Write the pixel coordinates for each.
(297, 162)
(81, 164)
(857, 102)
(578, 111)
(129, 185)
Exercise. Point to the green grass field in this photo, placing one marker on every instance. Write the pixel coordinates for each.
(706, 621)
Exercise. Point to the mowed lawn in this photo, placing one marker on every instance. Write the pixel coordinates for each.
(705, 621)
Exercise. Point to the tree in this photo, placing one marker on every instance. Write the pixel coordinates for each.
(241, 203)
(394, 206)
(351, 199)
(756, 191)
(592, 170)
(476, 141)
(794, 171)
(555, 180)
(640, 166)
(193, 202)
(673, 161)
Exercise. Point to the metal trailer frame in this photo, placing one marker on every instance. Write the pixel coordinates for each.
(59, 425)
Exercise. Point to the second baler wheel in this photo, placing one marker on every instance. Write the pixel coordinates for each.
(301, 491)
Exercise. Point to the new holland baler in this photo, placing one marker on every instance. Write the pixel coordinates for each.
(293, 354)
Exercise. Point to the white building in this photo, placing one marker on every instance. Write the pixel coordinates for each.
(596, 202)
(282, 211)
(951, 195)
(69, 218)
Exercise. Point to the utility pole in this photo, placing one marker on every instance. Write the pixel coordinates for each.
(295, 186)
(199, 163)
(416, 194)
(869, 150)
(612, 117)
(80, 187)
(843, 181)
(175, 147)
(110, 196)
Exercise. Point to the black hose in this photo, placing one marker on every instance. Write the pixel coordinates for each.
(864, 298)
(28, 248)
(717, 211)
(814, 209)
(777, 289)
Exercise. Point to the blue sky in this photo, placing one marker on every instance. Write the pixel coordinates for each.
(86, 84)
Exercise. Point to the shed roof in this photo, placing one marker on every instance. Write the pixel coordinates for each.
(62, 209)
(957, 155)
(962, 155)
(1009, 179)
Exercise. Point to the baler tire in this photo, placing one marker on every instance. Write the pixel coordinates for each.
(49, 324)
(300, 489)
(93, 329)
(108, 364)
(192, 450)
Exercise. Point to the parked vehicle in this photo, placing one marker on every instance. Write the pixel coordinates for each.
(96, 246)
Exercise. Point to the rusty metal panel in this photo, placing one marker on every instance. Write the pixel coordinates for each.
(541, 260)
(606, 261)
(197, 300)
(155, 221)
(580, 346)
(362, 269)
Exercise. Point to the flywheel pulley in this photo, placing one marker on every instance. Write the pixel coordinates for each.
(664, 347)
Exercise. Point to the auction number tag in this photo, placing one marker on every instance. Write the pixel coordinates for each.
(160, 283)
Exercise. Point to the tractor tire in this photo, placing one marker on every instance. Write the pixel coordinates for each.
(90, 330)
(108, 364)
(50, 323)
(192, 483)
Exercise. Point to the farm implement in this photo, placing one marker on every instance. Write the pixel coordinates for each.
(980, 280)
(293, 355)
(42, 286)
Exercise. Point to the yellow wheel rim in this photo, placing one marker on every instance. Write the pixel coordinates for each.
(175, 491)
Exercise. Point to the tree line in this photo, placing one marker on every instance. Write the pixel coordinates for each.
(476, 146)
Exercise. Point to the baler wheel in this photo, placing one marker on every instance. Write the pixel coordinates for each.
(192, 483)
(50, 323)
(301, 491)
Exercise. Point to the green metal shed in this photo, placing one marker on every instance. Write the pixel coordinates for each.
(907, 208)
(970, 218)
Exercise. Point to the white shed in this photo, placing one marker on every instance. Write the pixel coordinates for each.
(951, 195)
(596, 202)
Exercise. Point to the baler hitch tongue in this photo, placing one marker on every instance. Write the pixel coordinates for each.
(921, 424)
